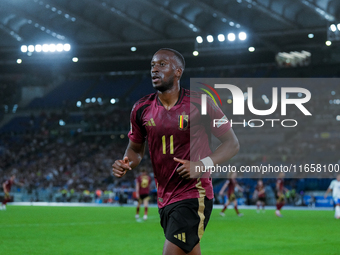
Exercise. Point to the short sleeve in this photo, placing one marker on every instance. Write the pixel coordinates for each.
(137, 133)
(219, 121)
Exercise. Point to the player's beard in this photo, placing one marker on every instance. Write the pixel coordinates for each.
(164, 86)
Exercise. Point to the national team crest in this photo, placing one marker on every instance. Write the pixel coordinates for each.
(183, 121)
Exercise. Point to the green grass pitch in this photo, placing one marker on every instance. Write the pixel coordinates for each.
(113, 230)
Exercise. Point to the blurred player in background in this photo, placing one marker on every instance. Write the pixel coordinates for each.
(260, 194)
(143, 182)
(335, 188)
(231, 184)
(7, 185)
(185, 199)
(280, 194)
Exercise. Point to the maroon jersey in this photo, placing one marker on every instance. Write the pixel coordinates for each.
(279, 185)
(231, 186)
(171, 133)
(144, 182)
(261, 191)
(8, 185)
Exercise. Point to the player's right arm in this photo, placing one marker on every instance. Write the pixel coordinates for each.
(132, 157)
(330, 188)
(224, 187)
(137, 188)
(4, 188)
(327, 191)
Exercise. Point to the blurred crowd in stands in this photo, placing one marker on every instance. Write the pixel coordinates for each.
(66, 154)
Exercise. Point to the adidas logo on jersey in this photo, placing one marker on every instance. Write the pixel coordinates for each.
(151, 123)
(181, 237)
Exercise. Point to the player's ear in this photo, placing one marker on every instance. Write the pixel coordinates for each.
(179, 72)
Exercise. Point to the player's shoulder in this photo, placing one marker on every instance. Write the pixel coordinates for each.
(144, 101)
(191, 93)
(334, 182)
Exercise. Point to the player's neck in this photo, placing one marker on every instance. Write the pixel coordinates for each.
(169, 97)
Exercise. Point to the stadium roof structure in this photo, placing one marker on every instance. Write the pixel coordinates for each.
(120, 31)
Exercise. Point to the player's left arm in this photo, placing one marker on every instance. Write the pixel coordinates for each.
(239, 188)
(228, 148)
(262, 191)
(19, 183)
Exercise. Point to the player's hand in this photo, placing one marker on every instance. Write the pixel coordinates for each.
(187, 169)
(120, 167)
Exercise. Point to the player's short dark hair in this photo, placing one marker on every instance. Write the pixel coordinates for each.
(178, 55)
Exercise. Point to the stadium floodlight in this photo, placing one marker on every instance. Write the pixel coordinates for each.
(75, 59)
(62, 123)
(338, 117)
(338, 26)
(30, 48)
(210, 38)
(333, 93)
(23, 48)
(242, 36)
(195, 53)
(310, 36)
(67, 47)
(133, 48)
(328, 43)
(231, 37)
(38, 48)
(45, 47)
(221, 37)
(52, 47)
(199, 39)
(19, 61)
(87, 100)
(113, 101)
(333, 27)
(59, 47)
(231, 24)
(251, 49)
(93, 100)
(78, 103)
